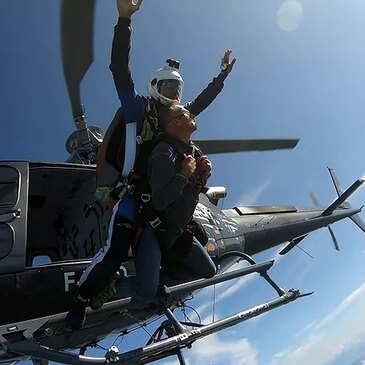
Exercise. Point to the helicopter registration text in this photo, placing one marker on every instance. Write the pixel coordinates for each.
(69, 279)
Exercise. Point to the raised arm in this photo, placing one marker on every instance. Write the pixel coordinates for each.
(206, 97)
(121, 45)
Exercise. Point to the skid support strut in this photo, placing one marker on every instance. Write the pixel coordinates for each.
(174, 327)
(179, 336)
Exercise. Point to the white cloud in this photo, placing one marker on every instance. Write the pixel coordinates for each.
(168, 362)
(344, 305)
(331, 336)
(213, 349)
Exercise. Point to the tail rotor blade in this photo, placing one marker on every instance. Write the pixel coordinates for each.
(316, 203)
(77, 19)
(335, 243)
(242, 145)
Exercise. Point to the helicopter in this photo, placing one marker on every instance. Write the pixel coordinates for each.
(74, 229)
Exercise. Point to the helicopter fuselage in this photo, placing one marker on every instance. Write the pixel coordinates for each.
(53, 220)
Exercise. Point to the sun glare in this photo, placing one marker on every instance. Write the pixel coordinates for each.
(289, 15)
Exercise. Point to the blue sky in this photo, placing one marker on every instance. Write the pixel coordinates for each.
(300, 73)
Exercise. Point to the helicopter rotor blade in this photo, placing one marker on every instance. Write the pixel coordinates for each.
(242, 145)
(314, 199)
(334, 239)
(77, 18)
(317, 204)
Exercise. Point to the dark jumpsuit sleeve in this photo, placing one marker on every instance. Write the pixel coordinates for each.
(131, 101)
(166, 185)
(206, 97)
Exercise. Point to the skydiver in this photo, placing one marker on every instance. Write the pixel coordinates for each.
(177, 172)
(139, 115)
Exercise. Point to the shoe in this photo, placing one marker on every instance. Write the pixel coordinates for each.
(76, 316)
(107, 294)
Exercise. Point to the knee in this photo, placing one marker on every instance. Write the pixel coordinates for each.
(147, 292)
(210, 271)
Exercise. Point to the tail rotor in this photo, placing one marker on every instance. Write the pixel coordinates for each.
(316, 203)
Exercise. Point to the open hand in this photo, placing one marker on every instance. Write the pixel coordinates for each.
(226, 63)
(127, 8)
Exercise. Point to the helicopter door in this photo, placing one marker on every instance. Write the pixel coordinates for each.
(13, 215)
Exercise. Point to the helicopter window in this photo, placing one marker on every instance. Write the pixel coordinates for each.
(41, 260)
(9, 183)
(6, 240)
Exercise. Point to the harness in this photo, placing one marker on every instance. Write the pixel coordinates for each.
(122, 143)
(136, 183)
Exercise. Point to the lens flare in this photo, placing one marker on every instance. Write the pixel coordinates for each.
(289, 15)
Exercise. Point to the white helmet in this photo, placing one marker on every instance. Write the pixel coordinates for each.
(167, 73)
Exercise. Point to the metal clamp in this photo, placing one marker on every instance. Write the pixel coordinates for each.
(145, 198)
(128, 186)
(139, 139)
(156, 222)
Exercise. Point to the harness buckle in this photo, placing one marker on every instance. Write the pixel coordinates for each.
(139, 140)
(145, 198)
(156, 222)
(122, 192)
(127, 183)
(131, 189)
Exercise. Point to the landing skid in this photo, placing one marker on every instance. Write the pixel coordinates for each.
(178, 334)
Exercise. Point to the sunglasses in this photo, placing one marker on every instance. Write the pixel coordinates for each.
(184, 113)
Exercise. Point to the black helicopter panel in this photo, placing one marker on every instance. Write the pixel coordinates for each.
(50, 214)
(67, 218)
(42, 290)
(13, 215)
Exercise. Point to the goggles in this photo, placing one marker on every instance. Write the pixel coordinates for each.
(170, 84)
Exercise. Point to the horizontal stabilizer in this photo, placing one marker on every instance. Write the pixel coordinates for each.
(292, 244)
(243, 145)
(341, 199)
(358, 221)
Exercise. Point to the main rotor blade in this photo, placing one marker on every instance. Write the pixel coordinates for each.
(241, 145)
(314, 199)
(77, 18)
